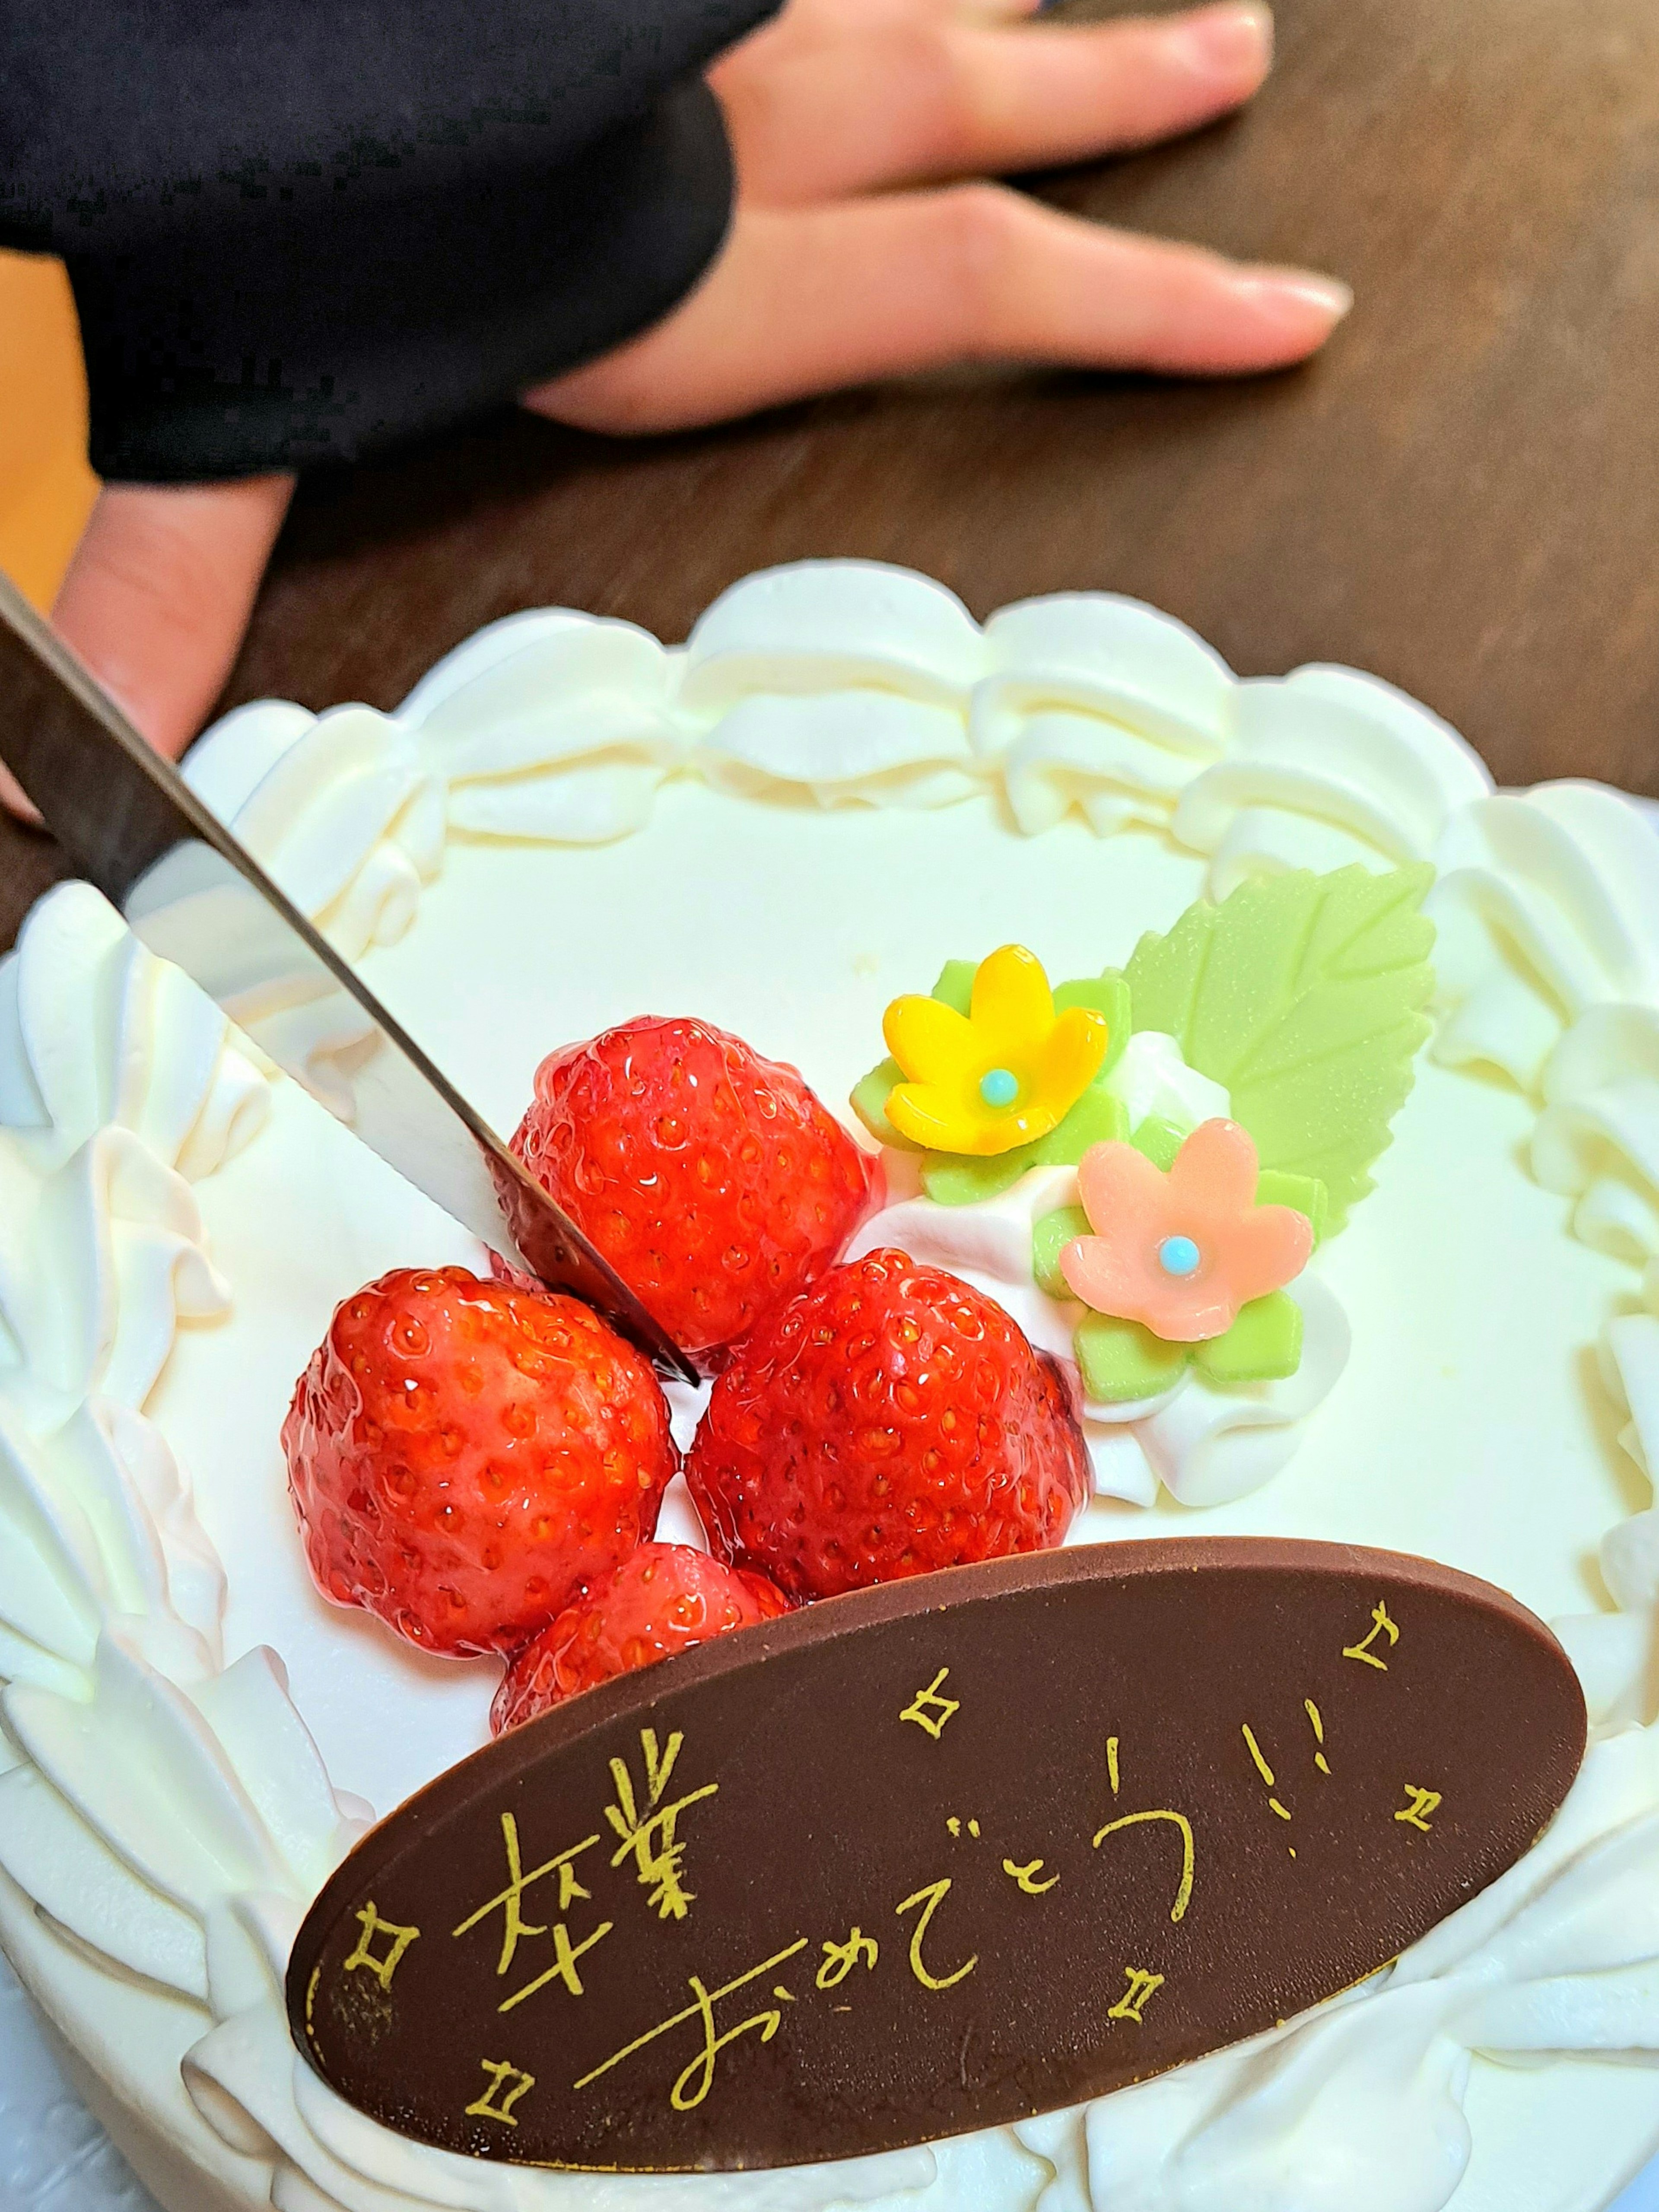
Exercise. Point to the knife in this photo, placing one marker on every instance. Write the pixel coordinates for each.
(191, 892)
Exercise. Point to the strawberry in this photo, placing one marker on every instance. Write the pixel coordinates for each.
(889, 1420)
(461, 1454)
(714, 1181)
(663, 1598)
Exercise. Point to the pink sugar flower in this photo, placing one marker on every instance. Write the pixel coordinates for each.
(1181, 1253)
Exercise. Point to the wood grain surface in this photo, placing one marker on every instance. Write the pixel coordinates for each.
(1461, 495)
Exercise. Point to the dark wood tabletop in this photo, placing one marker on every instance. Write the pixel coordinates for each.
(1462, 494)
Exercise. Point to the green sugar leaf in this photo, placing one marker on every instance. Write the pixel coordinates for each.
(1304, 994)
(1120, 1361)
(1106, 993)
(966, 1178)
(1159, 1140)
(1050, 1238)
(1264, 1344)
(1306, 1194)
(1096, 1118)
(954, 986)
(962, 1178)
(869, 1102)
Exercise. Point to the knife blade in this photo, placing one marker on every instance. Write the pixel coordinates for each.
(193, 894)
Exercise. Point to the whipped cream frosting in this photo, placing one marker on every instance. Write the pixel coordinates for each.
(165, 1817)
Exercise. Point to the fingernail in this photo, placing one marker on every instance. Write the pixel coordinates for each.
(1223, 40)
(1296, 288)
(14, 802)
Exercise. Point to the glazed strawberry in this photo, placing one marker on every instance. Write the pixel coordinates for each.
(461, 1454)
(662, 1599)
(890, 1420)
(714, 1181)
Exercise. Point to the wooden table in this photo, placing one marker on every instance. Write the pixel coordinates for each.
(1462, 495)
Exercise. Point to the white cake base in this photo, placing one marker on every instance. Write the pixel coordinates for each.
(1473, 1422)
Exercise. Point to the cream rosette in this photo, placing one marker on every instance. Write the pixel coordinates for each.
(1548, 906)
(1597, 1139)
(836, 683)
(1098, 703)
(1323, 768)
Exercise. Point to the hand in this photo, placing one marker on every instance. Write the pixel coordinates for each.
(859, 249)
(855, 253)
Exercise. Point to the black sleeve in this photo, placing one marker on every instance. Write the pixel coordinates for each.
(301, 229)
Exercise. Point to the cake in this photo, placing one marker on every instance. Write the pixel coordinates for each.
(840, 785)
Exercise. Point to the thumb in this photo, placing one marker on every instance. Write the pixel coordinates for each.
(158, 595)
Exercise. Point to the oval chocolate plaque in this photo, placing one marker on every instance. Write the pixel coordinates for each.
(936, 1855)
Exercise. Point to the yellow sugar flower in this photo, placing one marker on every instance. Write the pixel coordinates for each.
(1005, 1073)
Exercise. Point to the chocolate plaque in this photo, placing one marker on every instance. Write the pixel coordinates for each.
(937, 1855)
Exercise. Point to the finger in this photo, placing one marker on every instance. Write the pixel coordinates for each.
(12, 799)
(991, 11)
(158, 595)
(912, 102)
(805, 300)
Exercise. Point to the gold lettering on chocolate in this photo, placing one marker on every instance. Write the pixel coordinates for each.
(649, 1835)
(501, 2071)
(1179, 1821)
(1381, 1626)
(1316, 1722)
(1143, 1987)
(1423, 1803)
(840, 1959)
(1183, 1896)
(701, 2008)
(930, 1899)
(954, 1827)
(563, 1968)
(1025, 1877)
(382, 1965)
(928, 1710)
(696, 2079)
(1264, 1770)
(509, 1902)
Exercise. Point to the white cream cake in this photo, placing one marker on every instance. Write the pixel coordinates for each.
(841, 782)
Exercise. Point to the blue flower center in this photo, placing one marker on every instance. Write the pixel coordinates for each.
(1178, 1255)
(999, 1086)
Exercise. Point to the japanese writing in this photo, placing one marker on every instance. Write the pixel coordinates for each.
(1381, 1626)
(515, 1928)
(649, 1832)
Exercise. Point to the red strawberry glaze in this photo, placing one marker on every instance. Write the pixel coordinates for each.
(887, 1421)
(663, 1598)
(714, 1181)
(462, 1453)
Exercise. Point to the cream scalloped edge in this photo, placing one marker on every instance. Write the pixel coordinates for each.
(853, 685)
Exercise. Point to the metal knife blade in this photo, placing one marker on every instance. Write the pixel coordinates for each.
(192, 893)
